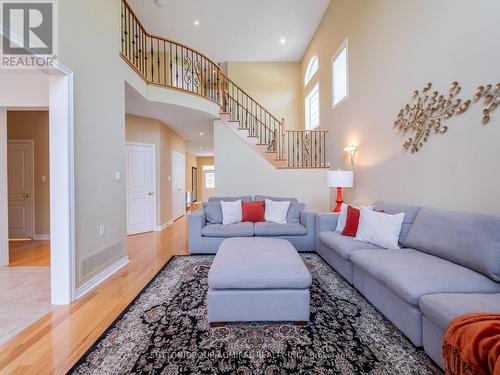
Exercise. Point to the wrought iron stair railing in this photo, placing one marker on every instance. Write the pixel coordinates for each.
(163, 62)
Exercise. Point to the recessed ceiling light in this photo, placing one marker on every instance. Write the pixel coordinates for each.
(201, 147)
(196, 23)
(282, 40)
(201, 133)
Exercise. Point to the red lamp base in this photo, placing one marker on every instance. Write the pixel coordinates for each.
(339, 200)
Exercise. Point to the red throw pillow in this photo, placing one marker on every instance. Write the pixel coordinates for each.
(352, 222)
(253, 211)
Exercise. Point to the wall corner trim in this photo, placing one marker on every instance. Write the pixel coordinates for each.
(99, 278)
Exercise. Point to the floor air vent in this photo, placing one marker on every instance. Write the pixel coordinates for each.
(98, 260)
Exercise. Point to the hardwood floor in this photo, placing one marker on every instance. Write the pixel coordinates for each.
(54, 343)
(29, 253)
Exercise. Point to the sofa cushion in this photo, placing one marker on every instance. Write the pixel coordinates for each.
(293, 215)
(268, 229)
(258, 263)
(472, 240)
(231, 230)
(213, 212)
(393, 209)
(230, 199)
(276, 199)
(441, 309)
(344, 245)
(411, 274)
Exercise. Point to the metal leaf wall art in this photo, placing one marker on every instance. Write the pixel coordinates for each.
(430, 109)
(425, 117)
(491, 99)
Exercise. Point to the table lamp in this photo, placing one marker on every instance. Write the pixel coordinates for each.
(339, 179)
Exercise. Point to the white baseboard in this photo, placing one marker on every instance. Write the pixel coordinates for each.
(41, 237)
(99, 278)
(163, 226)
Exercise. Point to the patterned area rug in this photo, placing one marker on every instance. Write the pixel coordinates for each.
(165, 331)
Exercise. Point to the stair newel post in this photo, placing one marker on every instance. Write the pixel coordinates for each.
(282, 138)
(275, 142)
(219, 85)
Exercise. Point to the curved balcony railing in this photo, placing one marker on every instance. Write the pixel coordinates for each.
(163, 62)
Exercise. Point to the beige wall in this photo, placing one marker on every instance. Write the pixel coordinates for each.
(396, 47)
(92, 54)
(35, 125)
(275, 85)
(146, 130)
(205, 193)
(240, 170)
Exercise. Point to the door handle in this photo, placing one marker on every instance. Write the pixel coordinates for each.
(151, 193)
(26, 196)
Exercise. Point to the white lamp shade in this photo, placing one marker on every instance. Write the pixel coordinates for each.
(340, 178)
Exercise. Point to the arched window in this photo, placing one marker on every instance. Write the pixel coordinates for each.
(312, 68)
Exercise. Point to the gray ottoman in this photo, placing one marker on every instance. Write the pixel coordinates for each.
(258, 279)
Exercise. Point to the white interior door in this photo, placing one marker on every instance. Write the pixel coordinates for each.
(141, 188)
(20, 179)
(178, 185)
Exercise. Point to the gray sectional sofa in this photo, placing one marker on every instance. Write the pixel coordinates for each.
(206, 233)
(448, 265)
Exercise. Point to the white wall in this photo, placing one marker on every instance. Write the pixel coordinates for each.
(396, 47)
(169, 96)
(26, 88)
(240, 170)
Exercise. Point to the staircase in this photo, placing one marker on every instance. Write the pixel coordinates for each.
(162, 62)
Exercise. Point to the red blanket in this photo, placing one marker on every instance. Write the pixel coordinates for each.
(472, 345)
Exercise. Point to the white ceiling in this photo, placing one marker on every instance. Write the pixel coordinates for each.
(236, 30)
(187, 122)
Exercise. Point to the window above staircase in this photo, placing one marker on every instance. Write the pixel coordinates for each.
(165, 63)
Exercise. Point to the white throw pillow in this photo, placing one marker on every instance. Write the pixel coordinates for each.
(231, 212)
(276, 211)
(342, 218)
(379, 228)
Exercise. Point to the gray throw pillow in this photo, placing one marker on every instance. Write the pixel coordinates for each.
(213, 212)
(293, 216)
